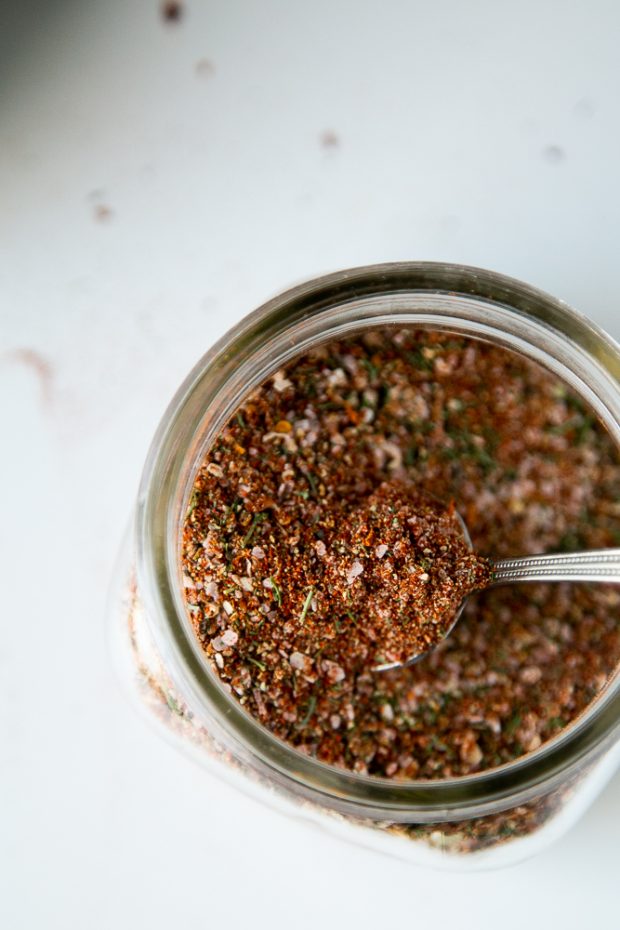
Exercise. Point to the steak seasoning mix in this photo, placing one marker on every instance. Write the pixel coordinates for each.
(324, 546)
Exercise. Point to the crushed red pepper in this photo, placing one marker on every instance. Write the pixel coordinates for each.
(289, 481)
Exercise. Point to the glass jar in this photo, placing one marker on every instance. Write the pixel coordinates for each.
(493, 817)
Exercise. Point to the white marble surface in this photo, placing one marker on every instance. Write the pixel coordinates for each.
(148, 201)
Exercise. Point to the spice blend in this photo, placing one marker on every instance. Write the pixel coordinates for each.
(401, 561)
(304, 562)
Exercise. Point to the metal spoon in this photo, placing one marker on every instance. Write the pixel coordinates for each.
(595, 565)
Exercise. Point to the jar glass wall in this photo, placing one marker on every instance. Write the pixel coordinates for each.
(490, 817)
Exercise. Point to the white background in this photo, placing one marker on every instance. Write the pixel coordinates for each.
(479, 132)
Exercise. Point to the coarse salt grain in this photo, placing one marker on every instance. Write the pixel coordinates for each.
(228, 607)
(216, 470)
(333, 672)
(530, 675)
(258, 552)
(533, 743)
(471, 752)
(286, 438)
(260, 704)
(335, 377)
(229, 637)
(209, 544)
(354, 572)
(494, 724)
(300, 661)
(394, 454)
(381, 550)
(280, 382)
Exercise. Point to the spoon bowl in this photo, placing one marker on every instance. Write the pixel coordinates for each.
(421, 655)
(596, 565)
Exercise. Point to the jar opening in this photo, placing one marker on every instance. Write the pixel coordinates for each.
(576, 352)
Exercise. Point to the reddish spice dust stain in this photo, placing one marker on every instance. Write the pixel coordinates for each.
(102, 213)
(172, 11)
(205, 68)
(329, 139)
(41, 367)
(554, 154)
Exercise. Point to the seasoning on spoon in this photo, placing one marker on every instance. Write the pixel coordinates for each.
(402, 562)
(386, 581)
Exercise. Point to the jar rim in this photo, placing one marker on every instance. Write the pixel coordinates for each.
(473, 301)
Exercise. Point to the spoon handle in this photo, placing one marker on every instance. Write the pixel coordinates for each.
(596, 565)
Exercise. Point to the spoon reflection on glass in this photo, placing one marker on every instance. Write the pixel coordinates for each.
(595, 565)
